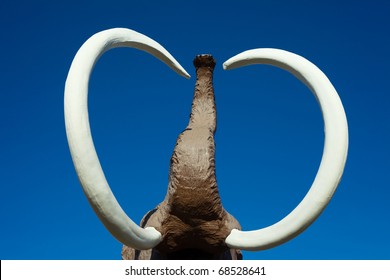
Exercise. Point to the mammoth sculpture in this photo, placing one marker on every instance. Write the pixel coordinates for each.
(191, 222)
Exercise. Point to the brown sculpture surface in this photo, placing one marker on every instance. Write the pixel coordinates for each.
(191, 219)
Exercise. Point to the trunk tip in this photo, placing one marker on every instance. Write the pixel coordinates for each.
(204, 60)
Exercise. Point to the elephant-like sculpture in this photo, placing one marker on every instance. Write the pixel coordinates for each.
(191, 223)
(191, 218)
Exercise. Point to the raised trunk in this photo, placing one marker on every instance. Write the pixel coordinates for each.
(196, 218)
(193, 182)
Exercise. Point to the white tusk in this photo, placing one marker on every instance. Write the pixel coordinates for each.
(78, 131)
(333, 158)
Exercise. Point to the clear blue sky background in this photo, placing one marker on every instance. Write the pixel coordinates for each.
(270, 129)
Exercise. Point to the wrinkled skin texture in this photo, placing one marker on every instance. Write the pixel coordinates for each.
(191, 219)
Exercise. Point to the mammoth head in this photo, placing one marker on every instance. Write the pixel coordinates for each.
(191, 219)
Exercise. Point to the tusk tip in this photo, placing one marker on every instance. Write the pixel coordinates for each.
(182, 72)
(228, 64)
(153, 233)
(225, 66)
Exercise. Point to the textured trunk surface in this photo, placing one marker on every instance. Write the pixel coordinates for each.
(193, 184)
(192, 219)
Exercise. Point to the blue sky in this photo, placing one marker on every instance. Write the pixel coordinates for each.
(270, 130)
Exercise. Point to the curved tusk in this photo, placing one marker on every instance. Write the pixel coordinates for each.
(78, 131)
(333, 158)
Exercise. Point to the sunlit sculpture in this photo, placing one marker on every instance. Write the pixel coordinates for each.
(191, 223)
